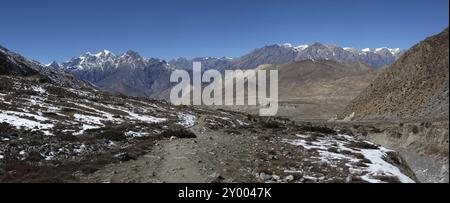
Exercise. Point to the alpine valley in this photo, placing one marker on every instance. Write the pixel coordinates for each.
(346, 115)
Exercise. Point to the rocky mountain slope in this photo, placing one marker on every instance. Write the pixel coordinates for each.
(16, 65)
(415, 87)
(50, 132)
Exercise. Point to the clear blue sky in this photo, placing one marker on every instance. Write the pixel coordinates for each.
(48, 30)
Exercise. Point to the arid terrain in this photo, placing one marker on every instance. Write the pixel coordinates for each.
(315, 90)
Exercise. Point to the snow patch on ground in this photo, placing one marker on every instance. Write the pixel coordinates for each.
(144, 118)
(38, 89)
(375, 168)
(187, 120)
(86, 127)
(136, 134)
(2, 99)
(108, 116)
(17, 120)
(379, 166)
(80, 149)
(88, 119)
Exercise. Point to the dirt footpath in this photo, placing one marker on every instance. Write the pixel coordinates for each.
(198, 160)
(265, 151)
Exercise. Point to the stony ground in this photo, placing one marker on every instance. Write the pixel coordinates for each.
(423, 144)
(250, 155)
(56, 134)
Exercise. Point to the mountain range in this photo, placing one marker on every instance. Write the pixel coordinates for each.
(134, 75)
(128, 73)
(281, 54)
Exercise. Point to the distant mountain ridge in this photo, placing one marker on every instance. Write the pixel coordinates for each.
(272, 54)
(134, 75)
(278, 54)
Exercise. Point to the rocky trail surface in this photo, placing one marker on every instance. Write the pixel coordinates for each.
(230, 156)
(171, 161)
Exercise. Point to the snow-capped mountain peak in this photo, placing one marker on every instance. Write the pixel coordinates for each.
(352, 50)
(54, 65)
(379, 49)
(108, 60)
(104, 53)
(131, 54)
(395, 51)
(383, 50)
(301, 47)
(287, 45)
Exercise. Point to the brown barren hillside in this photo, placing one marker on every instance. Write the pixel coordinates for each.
(413, 88)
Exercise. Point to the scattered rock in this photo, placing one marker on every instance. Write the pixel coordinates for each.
(123, 156)
(265, 177)
(275, 177)
(289, 178)
(273, 157)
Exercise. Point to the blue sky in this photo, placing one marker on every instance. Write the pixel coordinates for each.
(48, 30)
